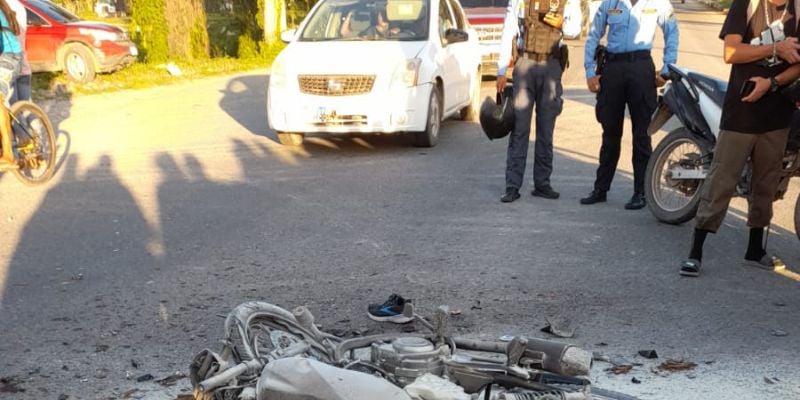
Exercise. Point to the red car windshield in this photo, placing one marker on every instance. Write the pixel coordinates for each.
(53, 11)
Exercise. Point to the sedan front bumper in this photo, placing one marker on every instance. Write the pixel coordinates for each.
(398, 110)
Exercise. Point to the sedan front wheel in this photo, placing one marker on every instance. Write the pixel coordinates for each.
(430, 135)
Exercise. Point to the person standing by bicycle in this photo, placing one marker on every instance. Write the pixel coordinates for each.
(760, 44)
(10, 60)
(22, 85)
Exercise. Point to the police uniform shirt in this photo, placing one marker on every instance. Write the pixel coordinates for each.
(772, 111)
(515, 10)
(632, 28)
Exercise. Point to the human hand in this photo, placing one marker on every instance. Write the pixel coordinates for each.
(762, 86)
(788, 50)
(660, 81)
(593, 84)
(501, 83)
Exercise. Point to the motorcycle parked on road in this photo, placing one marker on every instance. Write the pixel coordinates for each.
(680, 163)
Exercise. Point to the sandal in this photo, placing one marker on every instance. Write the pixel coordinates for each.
(690, 267)
(768, 262)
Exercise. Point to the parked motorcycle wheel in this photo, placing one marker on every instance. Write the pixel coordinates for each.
(675, 201)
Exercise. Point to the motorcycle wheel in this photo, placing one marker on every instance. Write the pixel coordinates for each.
(797, 217)
(671, 200)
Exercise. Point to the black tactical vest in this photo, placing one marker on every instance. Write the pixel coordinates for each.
(538, 37)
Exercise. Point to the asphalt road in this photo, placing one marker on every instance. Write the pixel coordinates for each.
(175, 204)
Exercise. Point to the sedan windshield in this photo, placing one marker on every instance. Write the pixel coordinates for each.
(53, 11)
(368, 20)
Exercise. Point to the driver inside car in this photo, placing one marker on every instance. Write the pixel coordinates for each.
(379, 28)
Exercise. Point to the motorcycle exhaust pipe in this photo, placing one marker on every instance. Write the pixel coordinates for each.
(560, 358)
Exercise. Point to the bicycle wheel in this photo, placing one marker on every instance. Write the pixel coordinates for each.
(34, 143)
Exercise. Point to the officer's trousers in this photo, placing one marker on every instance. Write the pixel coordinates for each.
(536, 83)
(632, 82)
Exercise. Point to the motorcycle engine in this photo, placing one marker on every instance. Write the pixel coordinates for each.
(408, 358)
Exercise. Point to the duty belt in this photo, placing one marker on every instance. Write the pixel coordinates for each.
(629, 56)
(535, 56)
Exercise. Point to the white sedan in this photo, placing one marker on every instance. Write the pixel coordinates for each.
(375, 66)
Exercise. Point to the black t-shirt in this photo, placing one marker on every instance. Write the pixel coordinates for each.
(772, 111)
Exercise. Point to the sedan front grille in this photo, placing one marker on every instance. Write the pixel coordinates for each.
(336, 85)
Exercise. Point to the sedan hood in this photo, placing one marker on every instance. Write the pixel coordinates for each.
(349, 57)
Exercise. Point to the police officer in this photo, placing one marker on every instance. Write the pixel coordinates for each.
(538, 27)
(628, 77)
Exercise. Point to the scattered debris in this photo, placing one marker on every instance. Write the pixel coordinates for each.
(8, 385)
(408, 328)
(134, 363)
(635, 380)
(100, 348)
(145, 378)
(601, 344)
(779, 304)
(172, 379)
(360, 331)
(600, 356)
(129, 393)
(455, 312)
(477, 306)
(779, 333)
(651, 354)
(676, 365)
(173, 69)
(63, 396)
(339, 332)
(559, 326)
(620, 369)
(78, 277)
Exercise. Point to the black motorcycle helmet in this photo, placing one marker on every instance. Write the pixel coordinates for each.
(497, 117)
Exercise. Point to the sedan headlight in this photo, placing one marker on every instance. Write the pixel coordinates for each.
(406, 73)
(277, 77)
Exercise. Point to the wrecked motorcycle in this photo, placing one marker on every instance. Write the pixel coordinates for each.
(680, 163)
(270, 353)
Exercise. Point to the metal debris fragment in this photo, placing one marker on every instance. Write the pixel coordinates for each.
(559, 326)
(676, 365)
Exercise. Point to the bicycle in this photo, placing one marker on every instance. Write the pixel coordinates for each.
(26, 130)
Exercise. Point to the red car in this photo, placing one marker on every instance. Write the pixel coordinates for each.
(57, 40)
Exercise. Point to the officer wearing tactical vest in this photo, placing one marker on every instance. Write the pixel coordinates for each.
(628, 77)
(541, 59)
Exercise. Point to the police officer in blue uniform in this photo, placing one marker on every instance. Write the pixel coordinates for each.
(539, 26)
(628, 77)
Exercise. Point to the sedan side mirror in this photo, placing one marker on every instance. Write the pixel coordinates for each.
(453, 35)
(288, 36)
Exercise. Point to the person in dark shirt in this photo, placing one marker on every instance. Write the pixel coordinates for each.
(761, 45)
